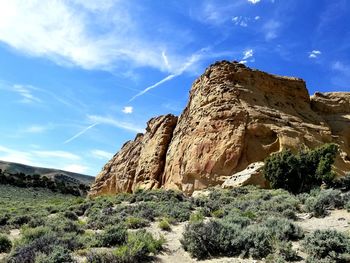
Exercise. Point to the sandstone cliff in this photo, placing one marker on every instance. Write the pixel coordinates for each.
(235, 116)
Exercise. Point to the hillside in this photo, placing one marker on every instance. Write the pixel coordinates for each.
(48, 172)
(56, 180)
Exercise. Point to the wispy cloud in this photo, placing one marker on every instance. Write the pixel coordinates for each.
(314, 53)
(254, 1)
(100, 154)
(65, 32)
(36, 129)
(26, 92)
(270, 29)
(80, 133)
(194, 58)
(128, 109)
(114, 122)
(247, 56)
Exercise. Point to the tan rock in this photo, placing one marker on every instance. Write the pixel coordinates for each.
(235, 116)
(139, 163)
(252, 175)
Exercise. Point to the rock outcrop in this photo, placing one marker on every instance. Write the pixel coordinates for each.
(235, 116)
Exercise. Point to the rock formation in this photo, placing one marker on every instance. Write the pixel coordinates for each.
(235, 116)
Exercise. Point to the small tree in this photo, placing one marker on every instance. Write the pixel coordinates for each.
(303, 171)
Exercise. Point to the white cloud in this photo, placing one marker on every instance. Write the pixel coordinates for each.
(254, 1)
(114, 122)
(35, 129)
(248, 53)
(65, 32)
(76, 168)
(257, 17)
(128, 110)
(100, 154)
(26, 92)
(270, 29)
(314, 53)
(341, 67)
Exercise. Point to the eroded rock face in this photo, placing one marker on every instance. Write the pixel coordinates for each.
(139, 163)
(235, 116)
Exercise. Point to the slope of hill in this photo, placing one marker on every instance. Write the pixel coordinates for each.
(14, 168)
(55, 180)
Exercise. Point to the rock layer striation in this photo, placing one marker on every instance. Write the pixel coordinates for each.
(235, 116)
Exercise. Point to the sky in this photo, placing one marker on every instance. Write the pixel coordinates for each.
(78, 78)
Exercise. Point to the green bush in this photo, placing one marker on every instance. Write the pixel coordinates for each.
(301, 172)
(112, 236)
(320, 201)
(256, 241)
(283, 229)
(135, 222)
(57, 255)
(196, 217)
(164, 224)
(5, 244)
(213, 238)
(323, 244)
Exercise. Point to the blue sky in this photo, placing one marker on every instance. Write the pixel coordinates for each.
(78, 78)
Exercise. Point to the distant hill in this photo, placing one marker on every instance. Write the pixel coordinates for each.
(56, 180)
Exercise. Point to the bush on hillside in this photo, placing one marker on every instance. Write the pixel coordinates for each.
(5, 244)
(327, 244)
(112, 236)
(303, 171)
(320, 201)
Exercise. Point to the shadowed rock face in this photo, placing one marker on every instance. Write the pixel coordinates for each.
(235, 116)
(139, 163)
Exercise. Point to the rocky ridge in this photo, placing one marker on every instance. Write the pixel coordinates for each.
(235, 116)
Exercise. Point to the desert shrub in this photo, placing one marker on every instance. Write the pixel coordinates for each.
(237, 219)
(98, 256)
(218, 213)
(31, 234)
(5, 244)
(70, 215)
(141, 243)
(158, 195)
(4, 219)
(112, 236)
(283, 229)
(196, 217)
(256, 241)
(285, 251)
(164, 224)
(301, 172)
(181, 212)
(63, 225)
(58, 255)
(100, 221)
(137, 249)
(323, 244)
(19, 220)
(342, 183)
(135, 222)
(26, 252)
(142, 210)
(320, 201)
(203, 240)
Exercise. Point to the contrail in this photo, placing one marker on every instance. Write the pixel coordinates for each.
(80, 133)
(154, 86)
